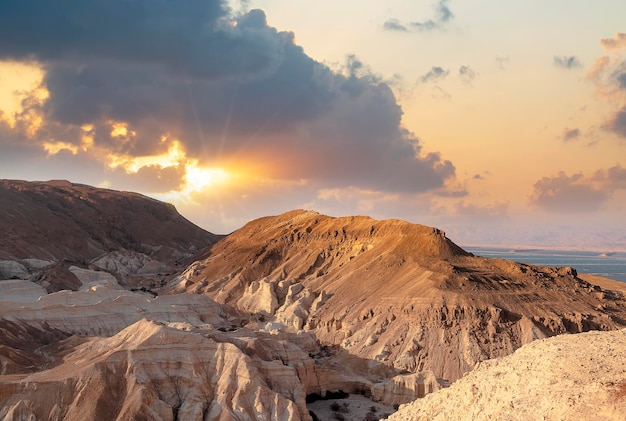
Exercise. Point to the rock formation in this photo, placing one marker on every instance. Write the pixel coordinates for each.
(566, 378)
(396, 293)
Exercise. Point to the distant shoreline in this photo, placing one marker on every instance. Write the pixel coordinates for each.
(529, 248)
(603, 263)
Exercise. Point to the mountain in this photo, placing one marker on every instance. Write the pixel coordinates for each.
(114, 307)
(400, 294)
(57, 224)
(60, 220)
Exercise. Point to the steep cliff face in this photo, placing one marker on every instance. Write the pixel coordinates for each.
(397, 293)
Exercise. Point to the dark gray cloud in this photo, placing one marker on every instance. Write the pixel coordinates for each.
(442, 16)
(563, 193)
(570, 135)
(435, 74)
(466, 74)
(230, 88)
(191, 36)
(567, 62)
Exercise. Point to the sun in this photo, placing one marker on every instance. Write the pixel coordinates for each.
(198, 178)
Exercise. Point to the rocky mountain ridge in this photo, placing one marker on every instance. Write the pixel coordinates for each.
(397, 293)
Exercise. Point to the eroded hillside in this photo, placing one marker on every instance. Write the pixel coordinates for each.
(394, 292)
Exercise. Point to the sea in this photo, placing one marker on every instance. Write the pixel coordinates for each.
(608, 265)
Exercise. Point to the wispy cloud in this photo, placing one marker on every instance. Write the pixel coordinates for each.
(609, 74)
(442, 16)
(570, 134)
(467, 75)
(567, 62)
(435, 74)
(394, 25)
(616, 123)
(502, 62)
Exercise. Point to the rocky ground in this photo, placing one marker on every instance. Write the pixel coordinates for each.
(567, 377)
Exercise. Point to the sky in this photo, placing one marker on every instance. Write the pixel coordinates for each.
(501, 123)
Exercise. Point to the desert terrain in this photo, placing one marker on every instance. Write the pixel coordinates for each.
(114, 307)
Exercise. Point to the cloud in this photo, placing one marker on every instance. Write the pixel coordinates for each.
(435, 74)
(613, 179)
(619, 41)
(621, 80)
(442, 16)
(608, 73)
(567, 62)
(617, 123)
(467, 75)
(194, 85)
(570, 135)
(502, 62)
(497, 210)
(572, 194)
(394, 25)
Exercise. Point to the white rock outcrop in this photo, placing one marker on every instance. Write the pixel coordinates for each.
(565, 378)
(129, 263)
(148, 371)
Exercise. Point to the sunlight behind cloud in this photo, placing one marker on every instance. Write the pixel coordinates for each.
(53, 148)
(18, 80)
(198, 178)
(195, 178)
(174, 156)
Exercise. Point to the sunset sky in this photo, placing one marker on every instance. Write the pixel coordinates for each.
(498, 122)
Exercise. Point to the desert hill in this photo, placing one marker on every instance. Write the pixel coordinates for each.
(49, 227)
(396, 293)
(61, 220)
